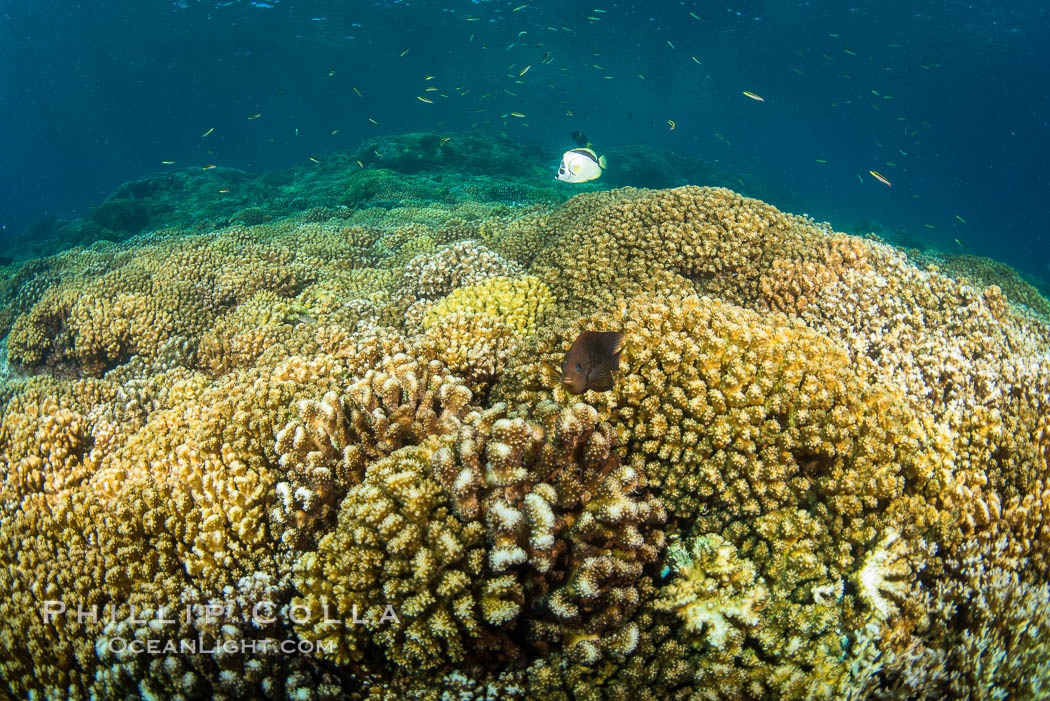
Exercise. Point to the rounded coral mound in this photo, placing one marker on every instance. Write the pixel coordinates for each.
(730, 412)
(324, 456)
(519, 303)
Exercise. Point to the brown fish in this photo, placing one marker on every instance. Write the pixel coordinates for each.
(591, 361)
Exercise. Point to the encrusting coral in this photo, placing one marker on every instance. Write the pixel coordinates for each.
(345, 417)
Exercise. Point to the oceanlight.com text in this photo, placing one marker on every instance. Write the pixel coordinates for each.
(199, 646)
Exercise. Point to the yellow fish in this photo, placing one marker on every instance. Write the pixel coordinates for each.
(673, 125)
(881, 178)
(168, 163)
(423, 99)
(207, 132)
(753, 96)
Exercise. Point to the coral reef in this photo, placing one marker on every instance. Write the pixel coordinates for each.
(475, 346)
(624, 242)
(539, 477)
(727, 410)
(397, 545)
(316, 413)
(432, 276)
(468, 153)
(716, 595)
(501, 520)
(325, 451)
(988, 273)
(518, 303)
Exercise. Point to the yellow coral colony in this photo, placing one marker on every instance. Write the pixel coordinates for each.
(519, 303)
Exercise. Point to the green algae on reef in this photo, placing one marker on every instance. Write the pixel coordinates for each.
(383, 172)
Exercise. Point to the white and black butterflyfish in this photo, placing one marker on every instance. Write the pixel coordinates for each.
(580, 164)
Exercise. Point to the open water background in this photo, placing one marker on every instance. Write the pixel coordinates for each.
(949, 100)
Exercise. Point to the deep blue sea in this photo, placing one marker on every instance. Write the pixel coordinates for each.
(947, 100)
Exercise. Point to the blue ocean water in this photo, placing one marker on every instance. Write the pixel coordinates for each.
(947, 100)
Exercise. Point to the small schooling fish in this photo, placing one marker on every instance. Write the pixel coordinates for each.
(881, 178)
(590, 362)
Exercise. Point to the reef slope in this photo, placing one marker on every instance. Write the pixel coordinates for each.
(318, 457)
